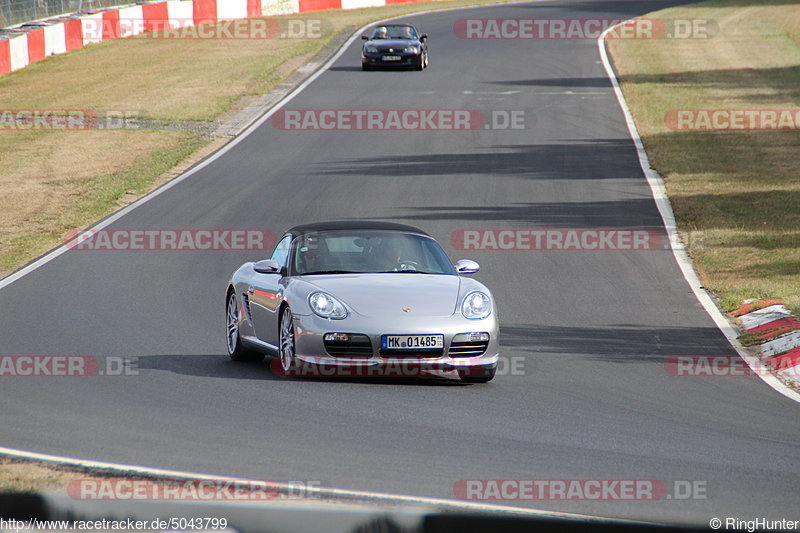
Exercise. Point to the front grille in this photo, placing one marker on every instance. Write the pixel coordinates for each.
(468, 348)
(417, 352)
(403, 62)
(357, 346)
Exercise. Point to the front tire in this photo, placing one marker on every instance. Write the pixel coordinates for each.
(237, 351)
(288, 362)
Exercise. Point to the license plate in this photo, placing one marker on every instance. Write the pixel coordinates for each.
(391, 58)
(412, 342)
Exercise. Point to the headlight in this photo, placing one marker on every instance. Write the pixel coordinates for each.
(371, 50)
(476, 305)
(411, 50)
(326, 306)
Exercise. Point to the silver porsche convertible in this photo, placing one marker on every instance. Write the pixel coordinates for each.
(363, 299)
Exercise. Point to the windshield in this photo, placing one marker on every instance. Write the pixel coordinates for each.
(394, 32)
(336, 252)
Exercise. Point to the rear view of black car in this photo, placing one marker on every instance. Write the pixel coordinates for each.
(394, 45)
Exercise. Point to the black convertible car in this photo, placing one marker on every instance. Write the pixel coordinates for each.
(394, 45)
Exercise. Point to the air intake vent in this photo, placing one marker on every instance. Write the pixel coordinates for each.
(469, 345)
(347, 345)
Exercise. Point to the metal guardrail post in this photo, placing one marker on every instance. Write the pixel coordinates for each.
(13, 12)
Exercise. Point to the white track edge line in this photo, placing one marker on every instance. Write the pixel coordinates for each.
(659, 193)
(321, 491)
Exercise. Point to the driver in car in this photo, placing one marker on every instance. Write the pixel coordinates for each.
(391, 256)
(310, 256)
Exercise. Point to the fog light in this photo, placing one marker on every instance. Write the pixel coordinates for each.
(475, 336)
(341, 337)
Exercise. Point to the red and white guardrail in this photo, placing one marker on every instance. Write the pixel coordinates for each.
(33, 41)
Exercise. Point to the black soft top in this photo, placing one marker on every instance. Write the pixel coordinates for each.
(353, 225)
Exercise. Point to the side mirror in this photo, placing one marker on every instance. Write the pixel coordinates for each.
(267, 266)
(364, 38)
(467, 266)
(423, 37)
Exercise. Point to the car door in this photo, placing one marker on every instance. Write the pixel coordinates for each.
(266, 294)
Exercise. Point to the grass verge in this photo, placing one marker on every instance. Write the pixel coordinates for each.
(23, 476)
(736, 193)
(55, 182)
(86, 484)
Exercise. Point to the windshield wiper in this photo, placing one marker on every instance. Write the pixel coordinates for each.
(331, 272)
(314, 272)
(404, 272)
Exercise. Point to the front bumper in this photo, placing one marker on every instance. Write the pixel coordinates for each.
(376, 60)
(310, 346)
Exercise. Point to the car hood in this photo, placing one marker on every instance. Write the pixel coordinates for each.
(386, 295)
(397, 44)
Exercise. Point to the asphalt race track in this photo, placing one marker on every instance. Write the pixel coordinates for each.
(592, 329)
